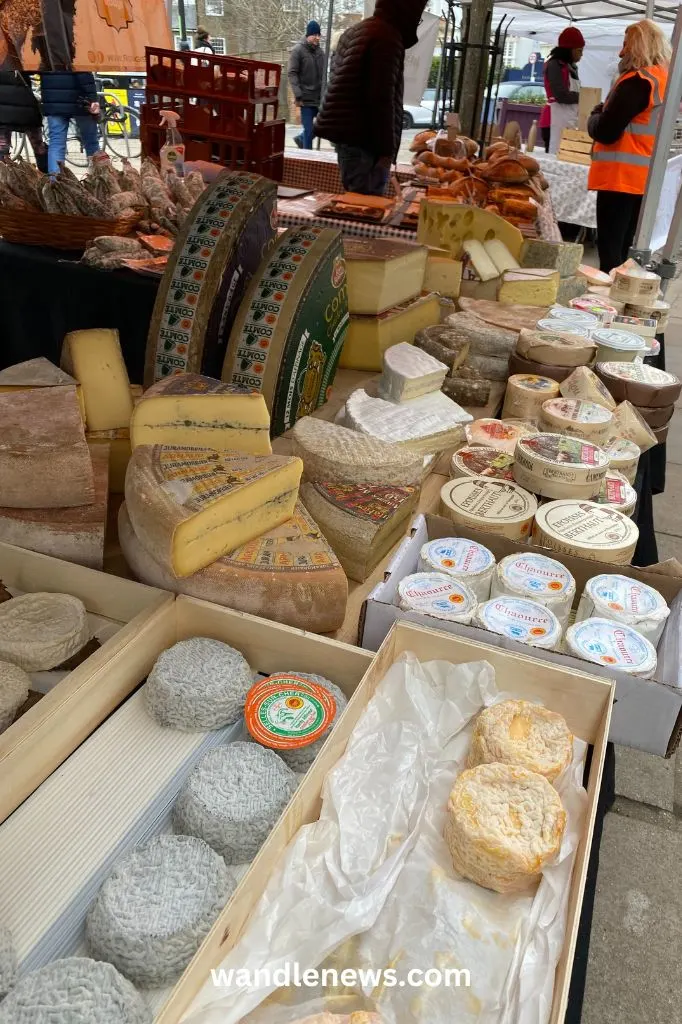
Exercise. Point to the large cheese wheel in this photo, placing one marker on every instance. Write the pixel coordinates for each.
(587, 530)
(577, 418)
(641, 384)
(518, 364)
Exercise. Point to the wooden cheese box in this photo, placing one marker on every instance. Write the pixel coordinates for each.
(575, 147)
(55, 724)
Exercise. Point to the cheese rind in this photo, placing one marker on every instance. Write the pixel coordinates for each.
(383, 272)
(538, 578)
(522, 733)
(437, 595)
(425, 425)
(496, 434)
(576, 418)
(520, 619)
(491, 506)
(623, 456)
(38, 373)
(190, 506)
(525, 395)
(368, 337)
(558, 466)
(583, 384)
(39, 631)
(557, 348)
(443, 344)
(563, 257)
(586, 529)
(117, 444)
(630, 424)
(95, 359)
(335, 454)
(409, 373)
(484, 339)
(639, 383)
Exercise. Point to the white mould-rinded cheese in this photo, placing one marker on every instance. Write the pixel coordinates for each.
(14, 687)
(539, 578)
(585, 385)
(617, 346)
(627, 601)
(156, 907)
(556, 346)
(521, 619)
(335, 454)
(577, 418)
(613, 645)
(198, 683)
(491, 506)
(300, 759)
(623, 457)
(504, 824)
(438, 595)
(586, 529)
(576, 317)
(472, 460)
(465, 560)
(496, 433)
(629, 423)
(427, 424)
(8, 961)
(617, 492)
(519, 732)
(232, 799)
(40, 631)
(526, 393)
(557, 466)
(76, 990)
(410, 372)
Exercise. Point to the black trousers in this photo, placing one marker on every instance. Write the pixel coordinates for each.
(617, 214)
(545, 133)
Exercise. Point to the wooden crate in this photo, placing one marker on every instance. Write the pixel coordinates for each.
(44, 735)
(575, 147)
(588, 99)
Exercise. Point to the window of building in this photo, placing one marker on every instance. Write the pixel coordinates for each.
(510, 50)
(215, 8)
(218, 44)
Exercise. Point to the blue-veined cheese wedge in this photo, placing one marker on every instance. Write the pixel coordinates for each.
(539, 578)
(612, 645)
(465, 560)
(625, 600)
(434, 593)
(519, 619)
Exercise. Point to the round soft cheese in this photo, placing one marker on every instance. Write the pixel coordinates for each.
(640, 383)
(156, 908)
(557, 466)
(615, 345)
(624, 600)
(495, 434)
(300, 759)
(526, 393)
(437, 595)
(586, 529)
(634, 283)
(232, 799)
(504, 824)
(613, 645)
(465, 560)
(556, 347)
(598, 307)
(74, 991)
(522, 733)
(198, 684)
(520, 619)
(490, 506)
(577, 317)
(481, 461)
(570, 325)
(14, 687)
(623, 457)
(539, 578)
(8, 961)
(654, 309)
(576, 418)
(40, 631)
(617, 492)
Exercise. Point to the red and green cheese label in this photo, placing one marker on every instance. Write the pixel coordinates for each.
(373, 503)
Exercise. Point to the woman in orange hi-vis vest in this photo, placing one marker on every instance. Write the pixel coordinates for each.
(624, 132)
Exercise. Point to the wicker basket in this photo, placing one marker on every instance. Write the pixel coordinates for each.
(60, 230)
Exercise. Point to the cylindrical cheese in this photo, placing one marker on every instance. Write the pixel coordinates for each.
(575, 317)
(659, 416)
(637, 284)
(556, 347)
(617, 492)
(557, 466)
(481, 461)
(600, 308)
(438, 595)
(525, 394)
(629, 423)
(640, 383)
(495, 434)
(658, 310)
(539, 578)
(568, 325)
(617, 346)
(612, 645)
(520, 619)
(625, 600)
(593, 276)
(623, 456)
(518, 364)
(576, 418)
(463, 559)
(602, 292)
(490, 506)
(586, 529)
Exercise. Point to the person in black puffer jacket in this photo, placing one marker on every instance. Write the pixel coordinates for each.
(69, 95)
(362, 111)
(20, 112)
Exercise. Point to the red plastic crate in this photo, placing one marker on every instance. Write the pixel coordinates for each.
(235, 154)
(234, 119)
(206, 74)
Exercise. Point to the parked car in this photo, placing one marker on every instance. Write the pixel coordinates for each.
(421, 116)
(515, 92)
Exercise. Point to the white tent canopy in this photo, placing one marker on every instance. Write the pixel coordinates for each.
(571, 10)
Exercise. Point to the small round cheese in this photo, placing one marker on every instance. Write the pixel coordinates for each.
(495, 434)
(520, 619)
(539, 578)
(76, 990)
(504, 824)
(652, 309)
(481, 461)
(232, 799)
(300, 759)
(198, 684)
(577, 317)
(632, 283)
(8, 962)
(599, 307)
(14, 687)
(522, 733)
(157, 907)
(437, 595)
(556, 347)
(40, 631)
(526, 393)
(586, 529)
(639, 383)
(623, 456)
(613, 645)
(617, 492)
(490, 506)
(624, 600)
(576, 418)
(465, 560)
(557, 466)
(615, 345)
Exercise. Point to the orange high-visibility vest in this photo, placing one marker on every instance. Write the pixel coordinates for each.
(623, 166)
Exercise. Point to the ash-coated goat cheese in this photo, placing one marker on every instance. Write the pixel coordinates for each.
(522, 733)
(300, 759)
(8, 961)
(40, 631)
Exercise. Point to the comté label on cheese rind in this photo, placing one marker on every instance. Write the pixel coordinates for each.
(218, 250)
(335, 454)
(577, 418)
(483, 461)
(191, 506)
(491, 506)
(585, 384)
(436, 594)
(291, 326)
(289, 574)
(555, 466)
(586, 529)
(189, 409)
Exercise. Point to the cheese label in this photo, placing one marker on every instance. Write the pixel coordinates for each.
(588, 524)
(372, 502)
(641, 372)
(613, 645)
(520, 619)
(487, 503)
(458, 555)
(575, 316)
(560, 449)
(295, 546)
(624, 340)
(577, 410)
(624, 595)
(483, 462)
(622, 452)
(616, 491)
(197, 477)
(436, 594)
(597, 307)
(551, 324)
(284, 712)
(535, 383)
(538, 575)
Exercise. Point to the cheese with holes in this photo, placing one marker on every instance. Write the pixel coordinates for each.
(189, 409)
(490, 506)
(290, 328)
(409, 373)
(629, 423)
(520, 619)
(425, 425)
(498, 252)
(640, 384)
(447, 225)
(38, 373)
(617, 492)
(95, 359)
(587, 530)
(538, 578)
(336, 454)
(72, 534)
(625, 600)
(444, 344)
(484, 339)
(44, 458)
(496, 434)
(623, 456)
(290, 574)
(558, 466)
(443, 275)
(368, 337)
(382, 272)
(362, 522)
(117, 444)
(577, 418)
(483, 461)
(477, 262)
(558, 348)
(612, 645)
(437, 595)
(525, 394)
(529, 288)
(563, 257)
(465, 560)
(584, 385)
(190, 506)
(220, 246)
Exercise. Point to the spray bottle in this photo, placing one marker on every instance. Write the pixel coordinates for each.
(172, 155)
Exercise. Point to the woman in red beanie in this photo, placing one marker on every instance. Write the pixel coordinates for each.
(562, 86)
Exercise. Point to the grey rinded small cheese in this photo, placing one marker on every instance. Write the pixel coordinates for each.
(8, 961)
(40, 631)
(232, 799)
(156, 907)
(74, 991)
(198, 684)
(14, 687)
(444, 344)
(300, 759)
(335, 454)
(484, 339)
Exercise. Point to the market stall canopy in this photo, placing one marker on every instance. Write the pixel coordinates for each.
(571, 10)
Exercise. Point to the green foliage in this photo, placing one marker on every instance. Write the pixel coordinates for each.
(433, 73)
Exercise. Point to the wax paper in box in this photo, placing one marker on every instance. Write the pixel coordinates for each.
(371, 884)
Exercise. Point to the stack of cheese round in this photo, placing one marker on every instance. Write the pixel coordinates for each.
(552, 350)
(586, 529)
(634, 283)
(494, 433)
(576, 418)
(490, 506)
(626, 601)
(623, 457)
(526, 393)
(557, 466)
(539, 578)
(465, 560)
(520, 619)
(653, 309)
(521, 733)
(437, 595)
(617, 346)
(612, 645)
(651, 391)
(480, 460)
(617, 492)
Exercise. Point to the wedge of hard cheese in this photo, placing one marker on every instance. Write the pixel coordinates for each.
(38, 373)
(335, 454)
(511, 317)
(369, 336)
(382, 273)
(95, 359)
(529, 287)
(190, 506)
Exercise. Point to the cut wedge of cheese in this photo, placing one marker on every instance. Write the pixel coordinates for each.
(190, 506)
(443, 275)
(335, 454)
(482, 461)
(368, 337)
(410, 372)
(477, 259)
(563, 257)
(189, 409)
(529, 288)
(446, 345)
(497, 434)
(558, 348)
(448, 225)
(630, 424)
(577, 418)
(623, 456)
(498, 252)
(382, 273)
(584, 385)
(95, 359)
(38, 373)
(427, 425)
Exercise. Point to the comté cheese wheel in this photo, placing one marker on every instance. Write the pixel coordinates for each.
(525, 395)
(490, 506)
(587, 530)
(557, 466)
(576, 418)
(639, 383)
(557, 348)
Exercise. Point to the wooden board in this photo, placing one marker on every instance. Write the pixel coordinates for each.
(588, 99)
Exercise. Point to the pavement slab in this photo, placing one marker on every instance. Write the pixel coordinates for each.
(668, 506)
(646, 778)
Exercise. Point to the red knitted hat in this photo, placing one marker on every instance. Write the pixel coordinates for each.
(572, 38)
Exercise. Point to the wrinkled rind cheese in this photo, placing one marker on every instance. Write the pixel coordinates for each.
(39, 631)
(96, 361)
(14, 687)
(425, 425)
(410, 373)
(521, 733)
(334, 454)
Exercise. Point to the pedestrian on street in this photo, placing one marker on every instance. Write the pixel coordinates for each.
(69, 96)
(362, 112)
(203, 42)
(20, 111)
(306, 74)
